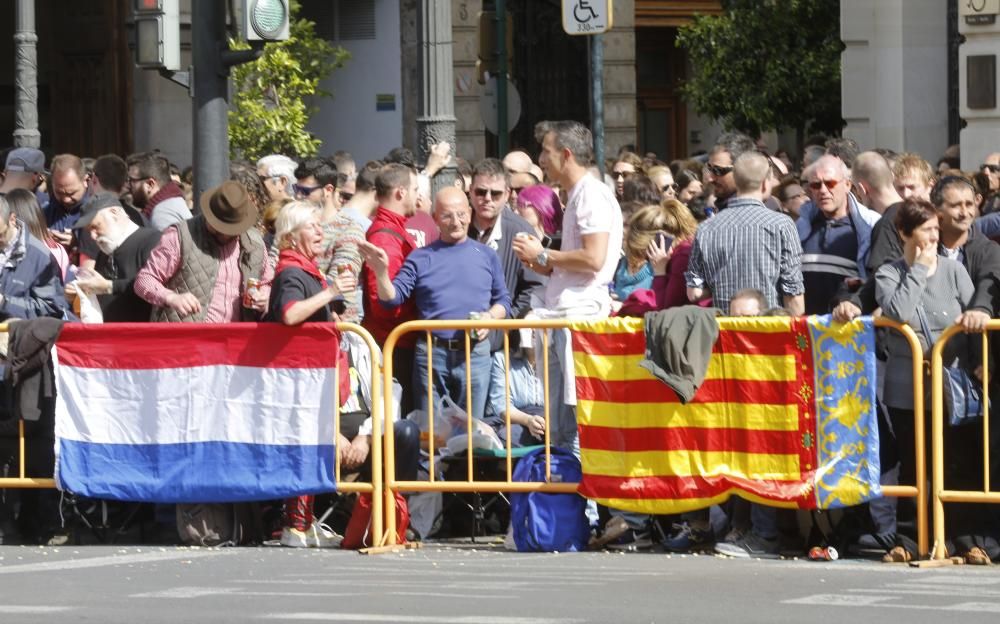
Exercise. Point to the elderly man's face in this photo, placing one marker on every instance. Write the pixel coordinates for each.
(452, 215)
(829, 190)
(275, 186)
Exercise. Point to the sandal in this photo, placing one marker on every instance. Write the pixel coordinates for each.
(897, 554)
(977, 556)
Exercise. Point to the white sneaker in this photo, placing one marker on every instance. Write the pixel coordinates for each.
(315, 536)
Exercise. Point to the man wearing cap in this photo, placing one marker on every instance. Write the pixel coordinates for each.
(199, 270)
(30, 279)
(25, 168)
(124, 249)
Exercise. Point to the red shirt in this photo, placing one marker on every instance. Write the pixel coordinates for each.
(397, 244)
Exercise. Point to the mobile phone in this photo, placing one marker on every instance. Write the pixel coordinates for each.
(664, 240)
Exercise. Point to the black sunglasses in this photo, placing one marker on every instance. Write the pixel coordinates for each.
(482, 192)
(672, 186)
(717, 170)
(990, 168)
(301, 189)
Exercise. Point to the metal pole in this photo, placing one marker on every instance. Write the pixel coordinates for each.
(597, 96)
(26, 132)
(210, 95)
(436, 121)
(502, 138)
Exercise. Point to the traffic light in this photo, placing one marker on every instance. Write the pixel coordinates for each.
(265, 20)
(487, 63)
(158, 34)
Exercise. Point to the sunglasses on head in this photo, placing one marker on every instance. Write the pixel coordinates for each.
(717, 170)
(483, 192)
(829, 184)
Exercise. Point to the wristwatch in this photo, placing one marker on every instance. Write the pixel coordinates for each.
(542, 259)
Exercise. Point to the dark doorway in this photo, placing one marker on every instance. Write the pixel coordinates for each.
(550, 70)
(662, 114)
(85, 74)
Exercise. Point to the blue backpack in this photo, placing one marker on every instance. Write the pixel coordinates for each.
(549, 522)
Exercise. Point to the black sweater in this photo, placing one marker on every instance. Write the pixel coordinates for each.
(121, 267)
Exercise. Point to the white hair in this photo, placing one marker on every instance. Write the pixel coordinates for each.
(290, 218)
(280, 165)
(828, 161)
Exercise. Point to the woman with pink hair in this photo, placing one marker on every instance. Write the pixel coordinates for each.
(539, 206)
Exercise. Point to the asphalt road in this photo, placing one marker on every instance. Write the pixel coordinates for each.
(448, 585)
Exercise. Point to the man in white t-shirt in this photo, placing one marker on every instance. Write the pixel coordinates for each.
(580, 272)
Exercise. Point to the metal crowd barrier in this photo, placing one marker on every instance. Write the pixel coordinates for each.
(940, 494)
(374, 488)
(917, 491)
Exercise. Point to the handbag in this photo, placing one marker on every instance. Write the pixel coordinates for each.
(962, 395)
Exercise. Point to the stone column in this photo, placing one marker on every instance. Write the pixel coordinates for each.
(26, 132)
(436, 115)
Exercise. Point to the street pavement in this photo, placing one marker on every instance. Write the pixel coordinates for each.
(478, 584)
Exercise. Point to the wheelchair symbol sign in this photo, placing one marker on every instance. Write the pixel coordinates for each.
(586, 17)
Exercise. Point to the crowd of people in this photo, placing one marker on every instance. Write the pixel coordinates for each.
(558, 236)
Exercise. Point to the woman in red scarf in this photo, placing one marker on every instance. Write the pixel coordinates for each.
(300, 294)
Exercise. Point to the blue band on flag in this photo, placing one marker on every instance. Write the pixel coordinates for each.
(198, 472)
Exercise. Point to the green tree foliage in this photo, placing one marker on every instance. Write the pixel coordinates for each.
(271, 96)
(767, 65)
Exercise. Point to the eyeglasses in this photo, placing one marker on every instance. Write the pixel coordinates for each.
(305, 191)
(625, 175)
(132, 181)
(829, 184)
(990, 168)
(717, 170)
(494, 193)
(345, 197)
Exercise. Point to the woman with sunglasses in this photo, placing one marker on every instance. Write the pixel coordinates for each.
(664, 181)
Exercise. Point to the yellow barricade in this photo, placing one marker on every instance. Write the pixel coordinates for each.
(917, 491)
(940, 494)
(374, 487)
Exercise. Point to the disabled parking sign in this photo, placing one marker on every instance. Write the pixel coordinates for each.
(586, 17)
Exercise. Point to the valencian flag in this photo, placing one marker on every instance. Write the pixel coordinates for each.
(786, 416)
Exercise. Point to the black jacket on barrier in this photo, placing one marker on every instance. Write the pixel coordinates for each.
(28, 376)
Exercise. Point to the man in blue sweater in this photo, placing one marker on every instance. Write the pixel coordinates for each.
(449, 279)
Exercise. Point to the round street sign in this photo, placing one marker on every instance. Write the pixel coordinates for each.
(488, 105)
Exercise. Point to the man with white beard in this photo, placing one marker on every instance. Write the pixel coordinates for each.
(125, 247)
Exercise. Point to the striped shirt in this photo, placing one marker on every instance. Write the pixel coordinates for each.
(746, 245)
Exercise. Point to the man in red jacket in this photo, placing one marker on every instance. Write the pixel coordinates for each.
(396, 192)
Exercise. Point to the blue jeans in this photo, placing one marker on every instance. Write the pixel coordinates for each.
(448, 375)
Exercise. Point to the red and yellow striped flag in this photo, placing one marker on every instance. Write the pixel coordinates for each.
(757, 426)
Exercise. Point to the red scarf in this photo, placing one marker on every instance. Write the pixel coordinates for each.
(292, 258)
(171, 189)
